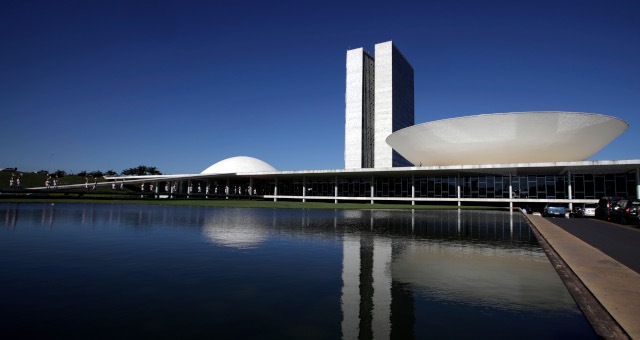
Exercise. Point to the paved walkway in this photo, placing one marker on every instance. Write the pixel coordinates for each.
(620, 242)
(614, 285)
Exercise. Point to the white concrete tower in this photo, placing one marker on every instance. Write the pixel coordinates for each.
(359, 110)
(394, 102)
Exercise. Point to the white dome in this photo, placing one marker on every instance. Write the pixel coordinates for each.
(516, 137)
(239, 164)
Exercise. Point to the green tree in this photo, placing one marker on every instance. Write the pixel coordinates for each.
(142, 170)
(96, 174)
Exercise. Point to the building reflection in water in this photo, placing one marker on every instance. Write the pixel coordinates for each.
(11, 216)
(487, 259)
(392, 261)
(241, 231)
(369, 294)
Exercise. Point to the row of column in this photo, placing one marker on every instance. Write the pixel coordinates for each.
(413, 190)
(459, 189)
(207, 182)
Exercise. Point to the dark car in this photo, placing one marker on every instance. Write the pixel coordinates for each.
(626, 211)
(605, 205)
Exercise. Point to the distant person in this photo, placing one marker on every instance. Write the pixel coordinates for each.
(55, 183)
(47, 183)
(142, 186)
(86, 183)
(11, 182)
(95, 183)
(199, 188)
(122, 185)
(113, 186)
(19, 183)
(207, 189)
(166, 187)
(151, 187)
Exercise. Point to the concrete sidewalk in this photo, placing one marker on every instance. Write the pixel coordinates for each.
(615, 286)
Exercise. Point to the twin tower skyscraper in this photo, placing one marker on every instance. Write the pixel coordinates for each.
(378, 101)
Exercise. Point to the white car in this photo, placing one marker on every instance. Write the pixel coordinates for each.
(588, 210)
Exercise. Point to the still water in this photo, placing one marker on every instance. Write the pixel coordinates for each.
(132, 271)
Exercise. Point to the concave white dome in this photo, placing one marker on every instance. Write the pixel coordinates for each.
(239, 164)
(516, 137)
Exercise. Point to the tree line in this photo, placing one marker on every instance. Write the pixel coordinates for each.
(140, 170)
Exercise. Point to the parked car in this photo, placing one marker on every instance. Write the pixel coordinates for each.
(555, 209)
(631, 214)
(626, 211)
(586, 210)
(605, 205)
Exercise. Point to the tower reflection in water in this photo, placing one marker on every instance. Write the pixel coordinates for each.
(487, 261)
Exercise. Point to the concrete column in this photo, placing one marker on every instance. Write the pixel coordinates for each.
(336, 190)
(413, 189)
(304, 188)
(188, 188)
(171, 188)
(157, 186)
(251, 185)
(226, 194)
(510, 192)
(459, 191)
(372, 191)
(275, 191)
(638, 183)
(569, 190)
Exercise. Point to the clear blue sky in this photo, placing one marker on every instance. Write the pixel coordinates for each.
(181, 85)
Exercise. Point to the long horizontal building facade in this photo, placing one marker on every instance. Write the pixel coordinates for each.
(500, 184)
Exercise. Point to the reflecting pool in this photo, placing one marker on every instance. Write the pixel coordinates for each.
(131, 271)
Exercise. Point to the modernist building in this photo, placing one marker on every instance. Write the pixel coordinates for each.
(378, 101)
(509, 159)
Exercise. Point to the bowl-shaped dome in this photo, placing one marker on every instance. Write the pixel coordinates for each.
(239, 164)
(516, 137)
